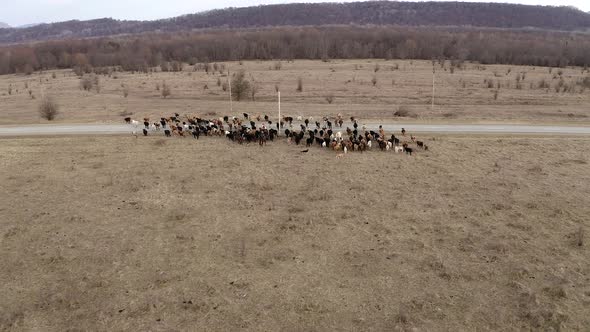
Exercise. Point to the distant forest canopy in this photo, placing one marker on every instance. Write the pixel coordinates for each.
(458, 14)
(140, 53)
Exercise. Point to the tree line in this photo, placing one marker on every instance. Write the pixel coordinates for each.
(142, 52)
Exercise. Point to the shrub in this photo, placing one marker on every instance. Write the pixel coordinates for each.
(86, 83)
(585, 82)
(240, 85)
(28, 69)
(278, 65)
(330, 98)
(79, 71)
(166, 92)
(402, 111)
(254, 90)
(48, 108)
(299, 85)
(125, 91)
(224, 86)
(374, 80)
(543, 84)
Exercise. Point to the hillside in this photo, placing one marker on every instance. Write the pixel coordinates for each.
(360, 13)
(4, 25)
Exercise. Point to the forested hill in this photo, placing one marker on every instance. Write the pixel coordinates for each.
(493, 15)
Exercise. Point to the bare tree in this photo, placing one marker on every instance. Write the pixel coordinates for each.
(48, 108)
(96, 82)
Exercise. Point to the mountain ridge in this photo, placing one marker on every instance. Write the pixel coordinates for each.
(492, 15)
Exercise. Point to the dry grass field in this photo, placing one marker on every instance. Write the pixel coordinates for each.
(118, 233)
(476, 93)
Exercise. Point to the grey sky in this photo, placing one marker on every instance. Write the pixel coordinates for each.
(20, 12)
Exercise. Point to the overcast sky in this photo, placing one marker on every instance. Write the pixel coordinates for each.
(20, 12)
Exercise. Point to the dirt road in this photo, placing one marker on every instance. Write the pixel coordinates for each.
(108, 129)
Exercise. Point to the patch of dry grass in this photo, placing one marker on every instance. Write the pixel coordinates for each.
(347, 83)
(124, 233)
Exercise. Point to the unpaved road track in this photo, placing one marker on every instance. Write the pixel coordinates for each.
(110, 129)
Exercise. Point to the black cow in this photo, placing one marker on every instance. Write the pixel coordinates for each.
(196, 133)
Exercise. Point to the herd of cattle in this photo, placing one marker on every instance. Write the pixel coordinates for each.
(260, 129)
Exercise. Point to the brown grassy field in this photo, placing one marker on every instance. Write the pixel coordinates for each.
(463, 95)
(119, 233)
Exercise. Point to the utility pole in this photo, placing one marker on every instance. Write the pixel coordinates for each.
(279, 123)
(432, 107)
(231, 109)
